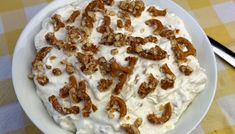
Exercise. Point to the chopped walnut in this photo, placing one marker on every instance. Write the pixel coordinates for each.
(57, 23)
(187, 70)
(127, 21)
(150, 38)
(105, 27)
(167, 33)
(72, 85)
(62, 110)
(166, 115)
(69, 68)
(41, 54)
(125, 71)
(120, 23)
(114, 51)
(133, 129)
(90, 47)
(135, 7)
(145, 88)
(114, 100)
(42, 79)
(155, 12)
(56, 71)
(104, 66)
(181, 55)
(116, 39)
(104, 84)
(168, 82)
(157, 23)
(155, 53)
(74, 34)
(89, 64)
(73, 16)
(88, 105)
(52, 40)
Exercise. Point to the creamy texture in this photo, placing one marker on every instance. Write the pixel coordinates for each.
(186, 88)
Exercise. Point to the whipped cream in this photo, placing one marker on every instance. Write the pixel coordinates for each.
(185, 89)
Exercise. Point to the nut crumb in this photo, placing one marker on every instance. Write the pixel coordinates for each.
(114, 51)
(56, 71)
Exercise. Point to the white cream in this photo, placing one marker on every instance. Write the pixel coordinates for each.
(185, 89)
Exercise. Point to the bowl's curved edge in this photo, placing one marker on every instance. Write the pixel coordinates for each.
(213, 59)
(14, 65)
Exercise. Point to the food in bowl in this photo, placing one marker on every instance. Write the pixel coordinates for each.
(108, 66)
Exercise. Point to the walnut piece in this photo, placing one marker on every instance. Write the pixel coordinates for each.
(56, 71)
(90, 47)
(169, 81)
(145, 88)
(187, 70)
(181, 55)
(62, 110)
(42, 79)
(135, 7)
(166, 115)
(105, 27)
(120, 103)
(157, 23)
(89, 63)
(155, 12)
(41, 54)
(57, 23)
(155, 53)
(104, 84)
(73, 16)
(133, 128)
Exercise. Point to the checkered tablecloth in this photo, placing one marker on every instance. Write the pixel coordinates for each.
(217, 17)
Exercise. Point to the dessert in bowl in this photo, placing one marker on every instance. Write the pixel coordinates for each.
(116, 67)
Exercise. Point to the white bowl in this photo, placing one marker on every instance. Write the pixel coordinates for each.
(33, 107)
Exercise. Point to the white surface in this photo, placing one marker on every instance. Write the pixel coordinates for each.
(36, 111)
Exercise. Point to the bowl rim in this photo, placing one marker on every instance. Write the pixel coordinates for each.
(43, 11)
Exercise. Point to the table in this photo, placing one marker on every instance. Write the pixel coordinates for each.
(217, 17)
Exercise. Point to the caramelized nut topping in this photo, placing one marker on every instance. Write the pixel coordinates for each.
(74, 34)
(120, 103)
(155, 12)
(63, 110)
(42, 79)
(166, 115)
(73, 16)
(145, 88)
(90, 47)
(167, 33)
(89, 64)
(181, 55)
(52, 40)
(186, 70)
(169, 81)
(104, 66)
(135, 7)
(57, 23)
(120, 23)
(56, 71)
(157, 23)
(122, 79)
(133, 129)
(41, 54)
(64, 92)
(105, 27)
(69, 68)
(150, 38)
(155, 53)
(104, 84)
